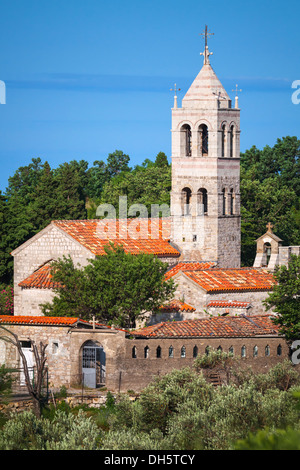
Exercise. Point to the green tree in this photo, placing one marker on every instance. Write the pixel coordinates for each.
(144, 185)
(285, 298)
(70, 195)
(161, 160)
(117, 288)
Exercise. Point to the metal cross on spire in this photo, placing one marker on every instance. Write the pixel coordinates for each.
(175, 89)
(206, 34)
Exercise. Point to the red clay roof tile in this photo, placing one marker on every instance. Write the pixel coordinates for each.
(189, 266)
(241, 326)
(177, 305)
(228, 304)
(40, 279)
(135, 235)
(227, 280)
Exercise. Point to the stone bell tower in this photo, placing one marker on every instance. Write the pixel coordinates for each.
(205, 196)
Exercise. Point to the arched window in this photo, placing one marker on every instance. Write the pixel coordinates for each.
(195, 351)
(224, 201)
(231, 350)
(186, 195)
(267, 350)
(171, 351)
(183, 352)
(219, 348)
(255, 351)
(279, 350)
(158, 352)
(203, 139)
(202, 201)
(243, 351)
(134, 351)
(186, 140)
(146, 352)
(207, 349)
(231, 140)
(223, 139)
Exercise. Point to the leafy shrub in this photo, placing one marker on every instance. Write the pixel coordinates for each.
(65, 432)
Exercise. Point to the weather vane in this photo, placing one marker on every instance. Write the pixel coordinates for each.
(206, 34)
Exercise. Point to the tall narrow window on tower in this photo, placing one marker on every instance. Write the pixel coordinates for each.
(231, 137)
(231, 202)
(223, 139)
(224, 201)
(186, 140)
(203, 139)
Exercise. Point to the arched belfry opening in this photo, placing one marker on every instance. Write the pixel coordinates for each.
(202, 202)
(203, 139)
(223, 141)
(186, 198)
(186, 140)
(93, 365)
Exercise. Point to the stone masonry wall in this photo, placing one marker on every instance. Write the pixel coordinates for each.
(140, 370)
(64, 352)
(50, 245)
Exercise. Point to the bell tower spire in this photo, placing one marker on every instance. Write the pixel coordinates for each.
(205, 196)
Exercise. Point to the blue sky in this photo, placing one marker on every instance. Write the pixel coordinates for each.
(86, 77)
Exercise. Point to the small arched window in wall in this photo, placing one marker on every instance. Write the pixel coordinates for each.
(171, 351)
(195, 351)
(231, 350)
(203, 139)
(158, 352)
(243, 351)
(207, 349)
(186, 140)
(267, 350)
(186, 196)
(219, 348)
(231, 141)
(146, 352)
(279, 350)
(134, 352)
(223, 139)
(183, 352)
(255, 351)
(202, 203)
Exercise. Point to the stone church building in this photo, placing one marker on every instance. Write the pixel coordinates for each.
(217, 303)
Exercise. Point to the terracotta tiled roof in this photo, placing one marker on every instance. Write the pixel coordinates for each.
(40, 279)
(49, 321)
(135, 235)
(192, 266)
(228, 304)
(177, 305)
(39, 320)
(227, 280)
(241, 326)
